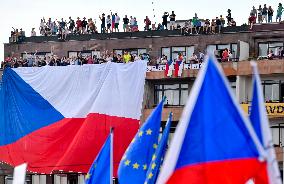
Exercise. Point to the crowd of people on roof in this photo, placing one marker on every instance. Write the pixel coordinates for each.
(112, 23)
(265, 14)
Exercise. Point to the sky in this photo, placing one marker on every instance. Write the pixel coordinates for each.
(26, 14)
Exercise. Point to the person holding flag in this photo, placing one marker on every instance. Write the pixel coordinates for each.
(218, 145)
(179, 65)
(137, 158)
(155, 165)
(101, 171)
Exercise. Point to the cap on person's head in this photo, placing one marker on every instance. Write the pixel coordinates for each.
(103, 14)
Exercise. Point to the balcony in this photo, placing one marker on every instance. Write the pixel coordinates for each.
(189, 71)
(265, 67)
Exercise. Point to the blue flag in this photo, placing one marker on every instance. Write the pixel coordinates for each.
(154, 167)
(101, 170)
(260, 124)
(214, 142)
(135, 162)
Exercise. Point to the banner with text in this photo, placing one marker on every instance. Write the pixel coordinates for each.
(272, 109)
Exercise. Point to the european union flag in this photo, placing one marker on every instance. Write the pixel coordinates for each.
(154, 167)
(138, 156)
(214, 142)
(101, 170)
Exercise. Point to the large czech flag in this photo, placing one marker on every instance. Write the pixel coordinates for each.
(214, 142)
(57, 118)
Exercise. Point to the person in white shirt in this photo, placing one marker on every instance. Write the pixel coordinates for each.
(132, 22)
(33, 33)
(117, 20)
(108, 22)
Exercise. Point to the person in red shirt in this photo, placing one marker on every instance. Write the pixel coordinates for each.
(147, 23)
(79, 25)
(252, 20)
(225, 55)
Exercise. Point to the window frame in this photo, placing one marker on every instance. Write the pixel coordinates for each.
(186, 57)
(271, 82)
(162, 89)
(235, 53)
(268, 46)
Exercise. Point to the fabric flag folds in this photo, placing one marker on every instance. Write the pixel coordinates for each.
(154, 167)
(178, 68)
(135, 162)
(57, 118)
(101, 169)
(260, 123)
(169, 68)
(214, 142)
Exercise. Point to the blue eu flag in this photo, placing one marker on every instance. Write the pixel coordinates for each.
(135, 162)
(101, 170)
(154, 167)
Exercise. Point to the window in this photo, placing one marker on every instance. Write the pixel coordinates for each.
(272, 90)
(277, 132)
(217, 49)
(176, 51)
(142, 51)
(233, 87)
(85, 53)
(131, 51)
(176, 94)
(264, 48)
(167, 52)
(72, 54)
(96, 53)
(40, 55)
(223, 47)
(234, 50)
(189, 52)
(172, 52)
(211, 49)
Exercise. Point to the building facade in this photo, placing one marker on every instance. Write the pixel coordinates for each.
(245, 44)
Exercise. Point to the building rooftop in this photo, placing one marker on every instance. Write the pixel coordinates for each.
(151, 34)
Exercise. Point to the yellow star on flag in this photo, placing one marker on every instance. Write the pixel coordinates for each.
(136, 166)
(150, 175)
(127, 162)
(140, 133)
(88, 176)
(145, 167)
(149, 132)
(153, 165)
(155, 146)
(154, 157)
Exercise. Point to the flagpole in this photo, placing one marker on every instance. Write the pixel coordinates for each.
(111, 155)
